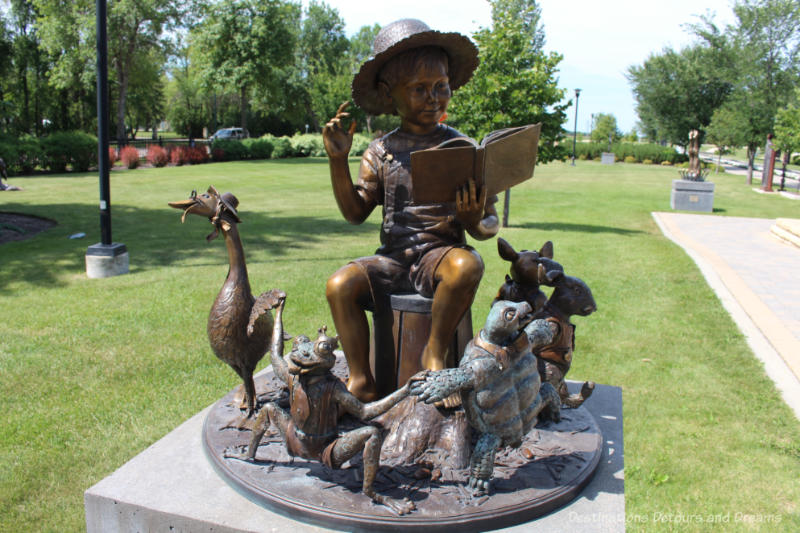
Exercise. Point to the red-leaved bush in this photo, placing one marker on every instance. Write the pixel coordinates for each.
(129, 156)
(112, 156)
(177, 155)
(157, 156)
(196, 155)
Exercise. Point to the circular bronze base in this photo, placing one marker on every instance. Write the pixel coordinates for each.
(550, 469)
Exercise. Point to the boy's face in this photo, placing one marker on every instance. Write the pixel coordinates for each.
(421, 99)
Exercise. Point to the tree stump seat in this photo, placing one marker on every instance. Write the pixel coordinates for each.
(399, 337)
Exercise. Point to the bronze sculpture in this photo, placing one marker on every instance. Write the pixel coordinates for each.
(552, 335)
(500, 387)
(317, 398)
(423, 247)
(694, 172)
(238, 325)
(528, 271)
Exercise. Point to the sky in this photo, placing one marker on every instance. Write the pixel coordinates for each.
(599, 40)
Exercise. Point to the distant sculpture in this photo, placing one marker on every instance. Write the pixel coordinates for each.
(500, 388)
(4, 176)
(694, 172)
(239, 326)
(423, 248)
(317, 398)
(527, 273)
(552, 335)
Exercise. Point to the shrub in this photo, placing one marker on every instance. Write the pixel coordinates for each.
(666, 163)
(228, 150)
(308, 144)
(8, 153)
(796, 160)
(630, 159)
(360, 144)
(260, 148)
(196, 155)
(129, 156)
(648, 161)
(112, 156)
(281, 147)
(76, 148)
(157, 156)
(177, 155)
(29, 154)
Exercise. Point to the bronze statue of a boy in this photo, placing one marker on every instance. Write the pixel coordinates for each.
(423, 247)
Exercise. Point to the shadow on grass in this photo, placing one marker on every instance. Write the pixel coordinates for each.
(578, 228)
(155, 238)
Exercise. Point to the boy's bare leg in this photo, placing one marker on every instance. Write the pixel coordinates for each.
(346, 291)
(457, 277)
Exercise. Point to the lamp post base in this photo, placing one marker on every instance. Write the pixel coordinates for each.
(106, 260)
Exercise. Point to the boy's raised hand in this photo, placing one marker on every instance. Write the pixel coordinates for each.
(470, 204)
(336, 139)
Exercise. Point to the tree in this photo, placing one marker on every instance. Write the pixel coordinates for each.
(760, 55)
(787, 130)
(515, 83)
(135, 28)
(677, 92)
(323, 61)
(247, 45)
(604, 128)
(725, 131)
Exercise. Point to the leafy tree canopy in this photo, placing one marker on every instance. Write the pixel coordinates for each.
(604, 128)
(516, 82)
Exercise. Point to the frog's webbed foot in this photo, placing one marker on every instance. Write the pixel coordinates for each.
(479, 487)
(242, 455)
(574, 401)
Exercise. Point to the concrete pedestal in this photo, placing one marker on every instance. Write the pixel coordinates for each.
(692, 195)
(172, 486)
(106, 260)
(607, 158)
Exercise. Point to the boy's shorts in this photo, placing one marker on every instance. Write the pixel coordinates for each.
(403, 271)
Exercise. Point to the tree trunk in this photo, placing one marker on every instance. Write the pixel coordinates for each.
(123, 94)
(751, 158)
(369, 125)
(506, 204)
(243, 120)
(719, 160)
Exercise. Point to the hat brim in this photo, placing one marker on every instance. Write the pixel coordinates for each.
(462, 58)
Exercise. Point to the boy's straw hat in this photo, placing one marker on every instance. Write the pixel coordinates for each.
(403, 35)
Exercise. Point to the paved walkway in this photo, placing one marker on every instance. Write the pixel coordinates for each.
(757, 278)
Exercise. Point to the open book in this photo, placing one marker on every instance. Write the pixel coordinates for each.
(504, 158)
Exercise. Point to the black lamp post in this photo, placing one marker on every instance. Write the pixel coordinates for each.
(575, 129)
(106, 258)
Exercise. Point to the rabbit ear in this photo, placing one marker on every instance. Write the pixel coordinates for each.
(547, 250)
(506, 251)
(554, 275)
(541, 274)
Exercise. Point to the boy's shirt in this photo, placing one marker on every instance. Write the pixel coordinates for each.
(385, 175)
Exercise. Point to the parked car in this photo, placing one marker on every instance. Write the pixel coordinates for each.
(230, 133)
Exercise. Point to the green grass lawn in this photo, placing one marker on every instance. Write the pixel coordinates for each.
(94, 371)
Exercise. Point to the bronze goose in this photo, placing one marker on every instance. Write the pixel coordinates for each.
(239, 326)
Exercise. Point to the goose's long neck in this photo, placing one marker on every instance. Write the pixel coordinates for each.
(237, 271)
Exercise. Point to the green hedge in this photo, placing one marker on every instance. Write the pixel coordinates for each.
(74, 148)
(640, 152)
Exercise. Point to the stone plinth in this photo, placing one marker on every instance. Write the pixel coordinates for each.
(690, 195)
(607, 158)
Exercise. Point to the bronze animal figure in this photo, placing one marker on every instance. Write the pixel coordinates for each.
(239, 325)
(552, 335)
(527, 273)
(316, 399)
(501, 391)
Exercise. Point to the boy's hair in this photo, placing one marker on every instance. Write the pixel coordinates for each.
(399, 66)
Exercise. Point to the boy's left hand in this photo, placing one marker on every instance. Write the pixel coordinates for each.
(470, 204)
